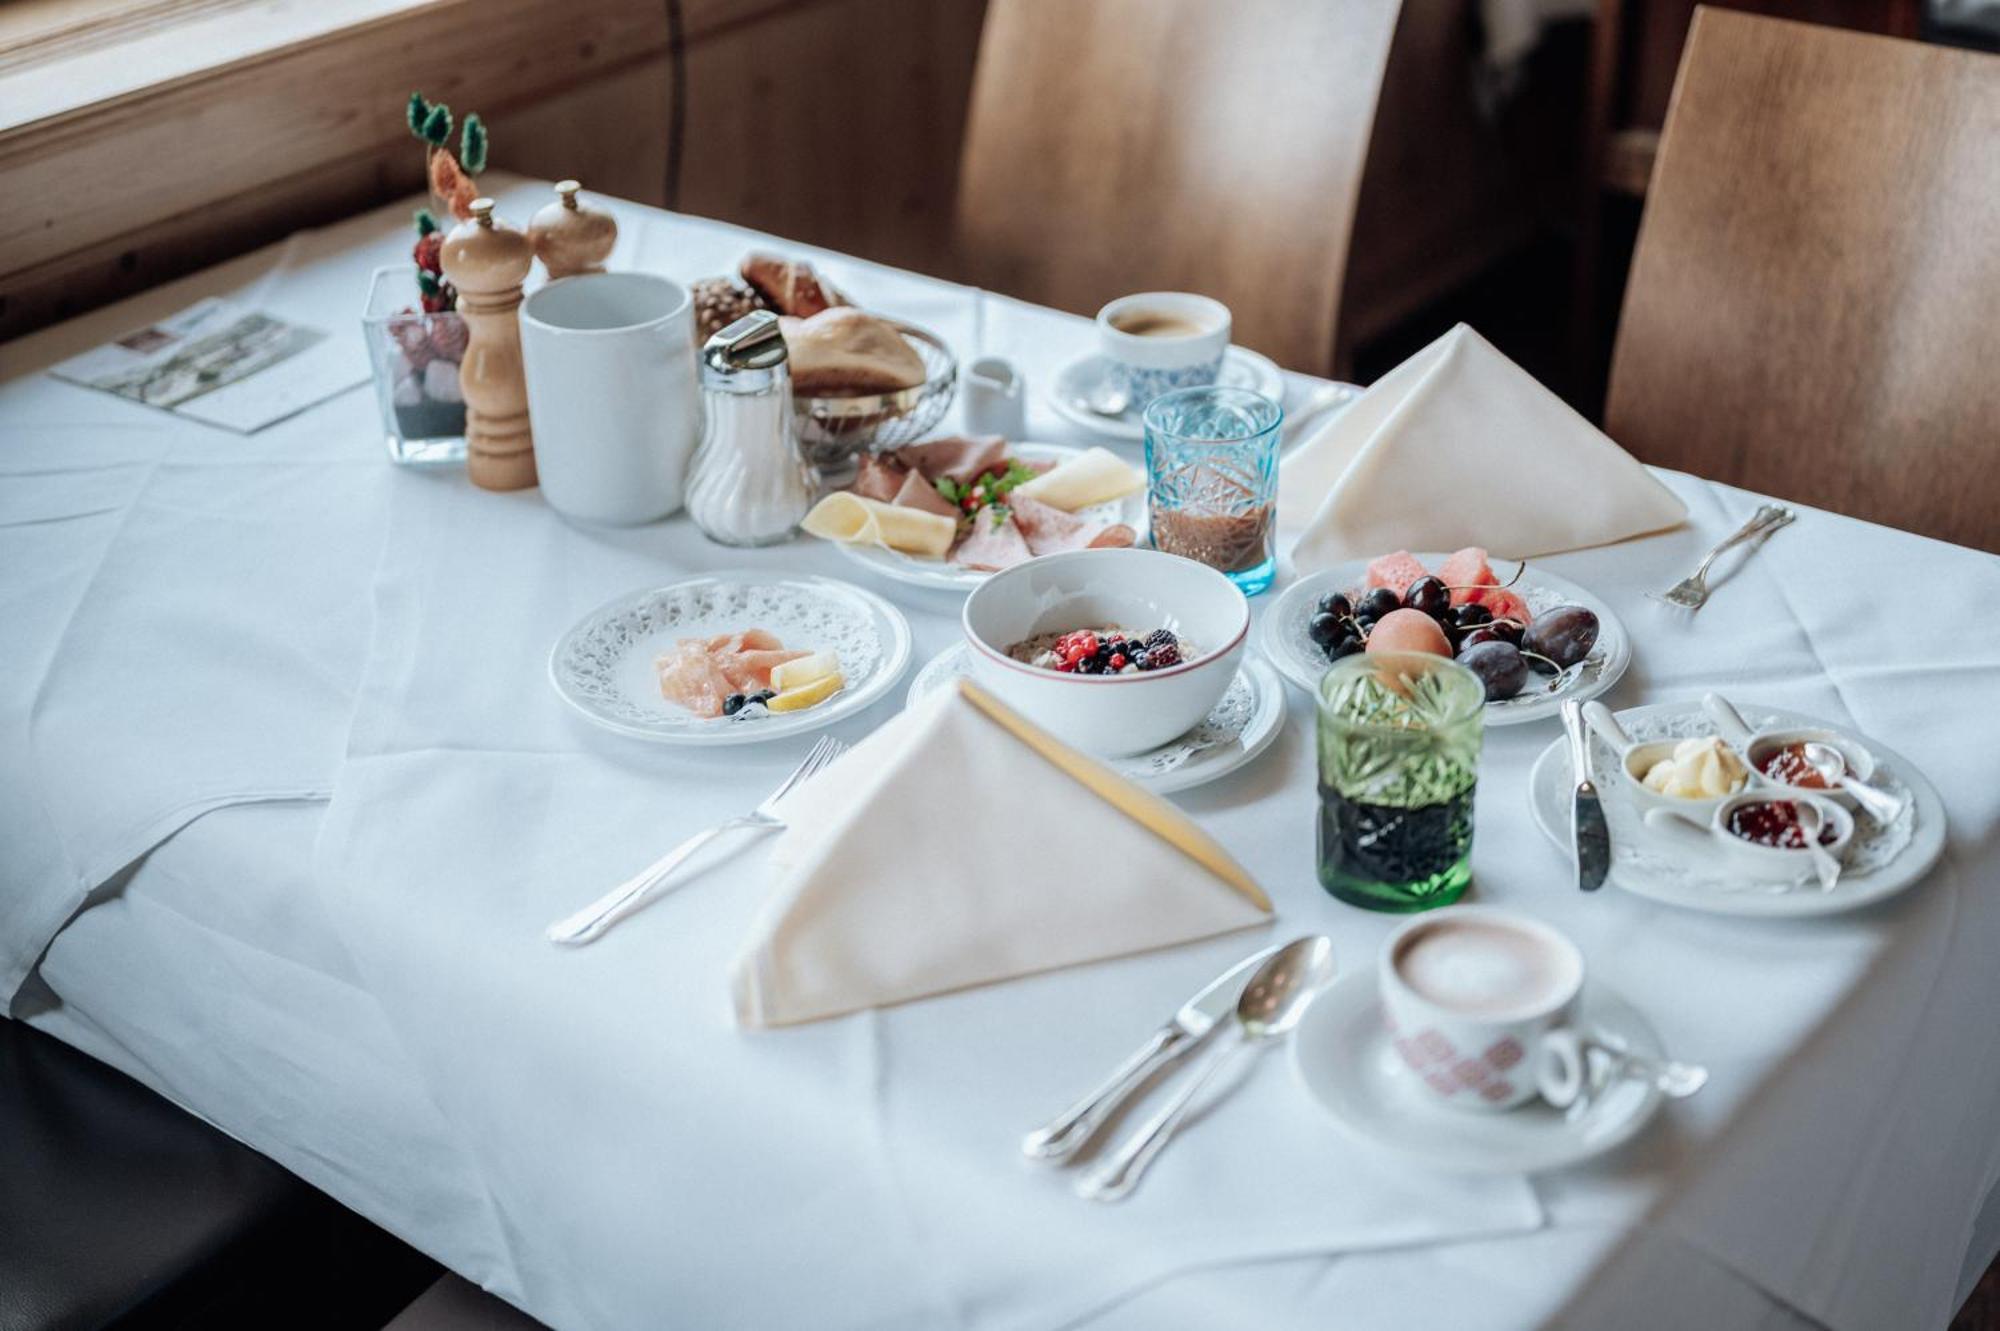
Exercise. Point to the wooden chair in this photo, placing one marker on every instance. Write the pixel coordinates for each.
(1134, 145)
(1816, 289)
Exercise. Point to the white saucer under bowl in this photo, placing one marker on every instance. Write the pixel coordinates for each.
(1881, 861)
(1076, 381)
(944, 575)
(603, 667)
(1283, 638)
(1241, 726)
(1344, 1060)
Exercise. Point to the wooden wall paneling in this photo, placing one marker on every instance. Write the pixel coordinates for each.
(1811, 306)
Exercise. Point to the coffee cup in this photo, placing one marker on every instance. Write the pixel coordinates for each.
(1481, 1007)
(1157, 341)
(609, 359)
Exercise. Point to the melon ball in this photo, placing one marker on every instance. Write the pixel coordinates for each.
(1408, 631)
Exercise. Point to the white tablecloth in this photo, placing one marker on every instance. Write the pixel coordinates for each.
(584, 1132)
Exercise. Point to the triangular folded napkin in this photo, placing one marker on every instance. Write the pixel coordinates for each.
(1459, 446)
(959, 845)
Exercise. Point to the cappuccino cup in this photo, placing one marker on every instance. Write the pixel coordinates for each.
(1157, 341)
(1481, 1004)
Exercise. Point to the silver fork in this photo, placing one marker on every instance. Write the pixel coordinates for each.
(622, 900)
(1691, 592)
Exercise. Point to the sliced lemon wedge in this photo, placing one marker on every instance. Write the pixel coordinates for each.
(808, 695)
(797, 674)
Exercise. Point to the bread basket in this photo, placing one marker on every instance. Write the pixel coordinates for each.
(836, 429)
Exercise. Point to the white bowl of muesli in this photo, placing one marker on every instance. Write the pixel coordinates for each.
(1114, 651)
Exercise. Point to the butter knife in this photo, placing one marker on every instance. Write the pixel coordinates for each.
(1066, 1134)
(1589, 837)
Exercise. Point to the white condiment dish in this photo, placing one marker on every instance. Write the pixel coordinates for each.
(1713, 837)
(1138, 590)
(1758, 745)
(1637, 759)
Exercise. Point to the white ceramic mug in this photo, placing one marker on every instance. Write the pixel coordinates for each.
(1488, 1021)
(612, 394)
(1147, 365)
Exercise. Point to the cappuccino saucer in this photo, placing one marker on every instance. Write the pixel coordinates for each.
(1342, 1056)
(1077, 382)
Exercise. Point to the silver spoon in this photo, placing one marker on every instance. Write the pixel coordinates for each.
(1824, 865)
(1271, 1005)
(1106, 399)
(1883, 807)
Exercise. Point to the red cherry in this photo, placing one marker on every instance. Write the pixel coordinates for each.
(1090, 644)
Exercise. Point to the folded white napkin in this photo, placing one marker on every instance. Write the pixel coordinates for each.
(959, 845)
(1459, 446)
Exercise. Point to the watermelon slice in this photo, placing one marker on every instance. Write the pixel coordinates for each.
(1504, 604)
(1396, 572)
(1466, 571)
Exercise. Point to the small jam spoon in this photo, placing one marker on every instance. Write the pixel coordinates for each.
(1826, 760)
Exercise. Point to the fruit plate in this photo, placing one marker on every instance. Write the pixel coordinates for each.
(1882, 860)
(603, 667)
(947, 576)
(1283, 638)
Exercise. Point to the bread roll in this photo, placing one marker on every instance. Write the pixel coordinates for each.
(788, 286)
(844, 351)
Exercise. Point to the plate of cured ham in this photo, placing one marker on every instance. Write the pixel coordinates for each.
(948, 513)
(731, 658)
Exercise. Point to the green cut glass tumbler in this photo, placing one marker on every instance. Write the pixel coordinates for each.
(1399, 736)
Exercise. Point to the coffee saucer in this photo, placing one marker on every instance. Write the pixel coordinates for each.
(1077, 382)
(1239, 727)
(1343, 1057)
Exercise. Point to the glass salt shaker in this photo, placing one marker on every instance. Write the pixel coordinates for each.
(748, 483)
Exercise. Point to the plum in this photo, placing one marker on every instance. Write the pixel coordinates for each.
(1499, 665)
(1564, 634)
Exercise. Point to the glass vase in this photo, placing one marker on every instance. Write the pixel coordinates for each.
(415, 358)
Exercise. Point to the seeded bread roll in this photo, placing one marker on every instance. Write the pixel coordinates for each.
(844, 351)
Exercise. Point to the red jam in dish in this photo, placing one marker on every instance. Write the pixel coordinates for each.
(1787, 766)
(1774, 823)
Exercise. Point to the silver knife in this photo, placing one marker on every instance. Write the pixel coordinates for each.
(1590, 838)
(1185, 1031)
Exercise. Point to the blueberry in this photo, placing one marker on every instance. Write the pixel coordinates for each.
(733, 704)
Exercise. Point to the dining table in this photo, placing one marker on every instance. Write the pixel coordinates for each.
(287, 800)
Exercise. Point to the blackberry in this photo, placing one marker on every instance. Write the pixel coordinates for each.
(1161, 655)
(1162, 638)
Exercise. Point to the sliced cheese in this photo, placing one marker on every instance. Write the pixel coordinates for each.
(1094, 477)
(804, 670)
(852, 520)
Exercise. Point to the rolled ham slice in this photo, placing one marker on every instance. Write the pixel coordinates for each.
(1048, 530)
(992, 546)
(916, 492)
(963, 459)
(879, 479)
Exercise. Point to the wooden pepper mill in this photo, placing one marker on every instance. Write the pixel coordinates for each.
(571, 237)
(487, 261)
